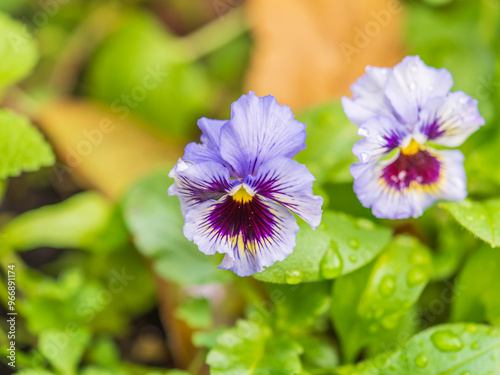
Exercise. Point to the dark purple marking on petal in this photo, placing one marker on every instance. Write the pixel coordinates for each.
(392, 141)
(421, 167)
(251, 221)
(433, 130)
(201, 192)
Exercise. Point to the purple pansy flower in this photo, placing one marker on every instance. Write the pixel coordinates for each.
(238, 186)
(403, 109)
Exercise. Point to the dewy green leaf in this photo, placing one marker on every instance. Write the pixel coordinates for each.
(451, 349)
(481, 218)
(250, 348)
(63, 349)
(18, 51)
(155, 221)
(340, 245)
(374, 301)
(330, 136)
(476, 289)
(73, 223)
(22, 147)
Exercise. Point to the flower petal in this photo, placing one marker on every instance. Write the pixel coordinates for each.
(289, 183)
(412, 83)
(209, 149)
(368, 96)
(197, 183)
(449, 121)
(383, 134)
(253, 234)
(259, 129)
(399, 193)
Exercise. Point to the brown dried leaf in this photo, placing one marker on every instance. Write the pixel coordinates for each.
(307, 52)
(101, 150)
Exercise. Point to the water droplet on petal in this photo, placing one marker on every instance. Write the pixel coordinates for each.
(413, 86)
(364, 157)
(363, 132)
(331, 264)
(293, 277)
(387, 285)
(430, 88)
(447, 341)
(421, 360)
(416, 276)
(463, 100)
(353, 243)
(413, 69)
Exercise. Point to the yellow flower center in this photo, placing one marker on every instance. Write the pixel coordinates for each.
(242, 196)
(411, 149)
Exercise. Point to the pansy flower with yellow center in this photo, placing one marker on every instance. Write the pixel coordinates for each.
(403, 109)
(238, 186)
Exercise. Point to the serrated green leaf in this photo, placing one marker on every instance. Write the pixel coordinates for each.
(64, 349)
(155, 221)
(330, 136)
(481, 218)
(22, 147)
(18, 51)
(476, 296)
(340, 245)
(374, 301)
(250, 348)
(449, 349)
(72, 223)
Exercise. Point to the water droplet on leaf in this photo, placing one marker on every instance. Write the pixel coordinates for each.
(416, 276)
(421, 360)
(387, 285)
(331, 264)
(353, 258)
(447, 341)
(353, 243)
(293, 277)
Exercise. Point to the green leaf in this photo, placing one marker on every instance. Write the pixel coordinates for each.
(476, 296)
(319, 353)
(340, 245)
(250, 348)
(330, 136)
(451, 349)
(195, 312)
(374, 301)
(155, 221)
(142, 70)
(18, 51)
(299, 307)
(22, 147)
(481, 218)
(72, 223)
(64, 349)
